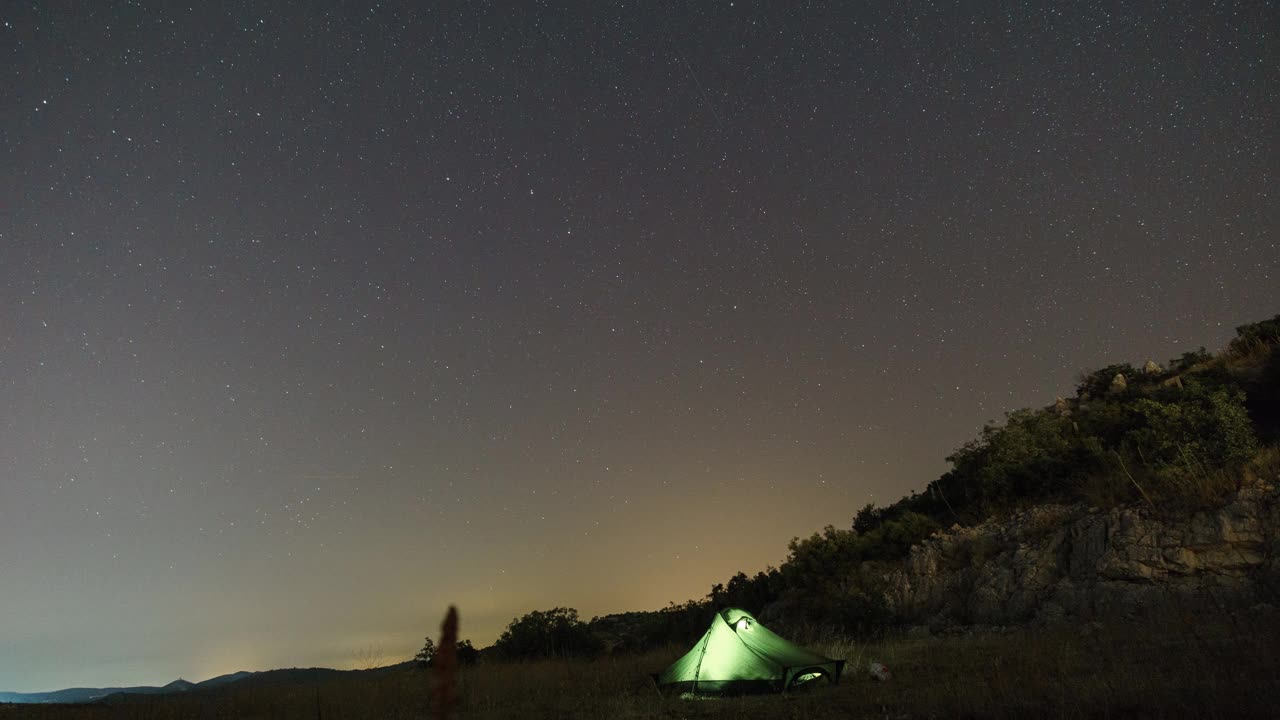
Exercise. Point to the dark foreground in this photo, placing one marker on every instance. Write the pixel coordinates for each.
(1189, 666)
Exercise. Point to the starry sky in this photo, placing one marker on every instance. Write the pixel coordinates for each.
(316, 317)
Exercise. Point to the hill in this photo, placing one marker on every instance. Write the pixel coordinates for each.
(286, 677)
(83, 695)
(1051, 513)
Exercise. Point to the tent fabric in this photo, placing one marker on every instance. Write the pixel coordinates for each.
(738, 654)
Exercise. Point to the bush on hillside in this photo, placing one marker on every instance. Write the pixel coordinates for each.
(1098, 382)
(467, 653)
(894, 538)
(821, 562)
(1209, 428)
(867, 519)
(1034, 454)
(1190, 359)
(1254, 336)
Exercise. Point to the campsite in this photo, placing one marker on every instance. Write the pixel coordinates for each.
(556, 360)
(1158, 601)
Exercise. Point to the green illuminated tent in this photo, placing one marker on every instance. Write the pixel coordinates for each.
(739, 655)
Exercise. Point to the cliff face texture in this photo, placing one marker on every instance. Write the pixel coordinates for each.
(1055, 561)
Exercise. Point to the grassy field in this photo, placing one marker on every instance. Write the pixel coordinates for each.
(1180, 667)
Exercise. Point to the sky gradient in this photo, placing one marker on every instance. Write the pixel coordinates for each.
(317, 317)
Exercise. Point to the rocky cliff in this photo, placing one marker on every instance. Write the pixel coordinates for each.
(1054, 562)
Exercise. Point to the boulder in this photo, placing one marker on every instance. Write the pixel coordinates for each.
(1061, 407)
(1118, 384)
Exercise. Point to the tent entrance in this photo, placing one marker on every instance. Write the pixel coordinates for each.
(810, 678)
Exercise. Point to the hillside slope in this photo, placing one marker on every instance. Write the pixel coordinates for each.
(1153, 484)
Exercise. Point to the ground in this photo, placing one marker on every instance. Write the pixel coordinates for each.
(1226, 666)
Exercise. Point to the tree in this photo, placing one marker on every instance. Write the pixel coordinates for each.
(748, 593)
(867, 519)
(548, 633)
(467, 653)
(424, 656)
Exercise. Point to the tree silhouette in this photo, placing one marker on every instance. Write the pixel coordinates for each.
(425, 655)
(548, 633)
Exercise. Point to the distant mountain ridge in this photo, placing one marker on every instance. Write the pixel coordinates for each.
(263, 678)
(84, 695)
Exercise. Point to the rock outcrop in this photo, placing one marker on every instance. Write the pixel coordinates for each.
(1057, 561)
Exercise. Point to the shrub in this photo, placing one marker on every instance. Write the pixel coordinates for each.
(894, 539)
(1033, 454)
(1210, 428)
(821, 562)
(867, 519)
(862, 613)
(1250, 338)
(1188, 360)
(1098, 382)
(467, 653)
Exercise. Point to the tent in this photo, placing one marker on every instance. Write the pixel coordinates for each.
(738, 655)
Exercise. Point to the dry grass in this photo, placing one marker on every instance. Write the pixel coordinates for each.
(1246, 356)
(1177, 667)
(1127, 671)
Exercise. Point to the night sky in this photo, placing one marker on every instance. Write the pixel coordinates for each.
(316, 317)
